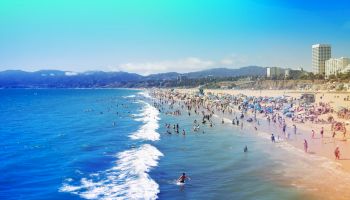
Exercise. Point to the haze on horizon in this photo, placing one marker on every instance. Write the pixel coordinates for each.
(152, 36)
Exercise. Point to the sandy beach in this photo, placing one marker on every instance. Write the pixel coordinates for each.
(229, 106)
(318, 146)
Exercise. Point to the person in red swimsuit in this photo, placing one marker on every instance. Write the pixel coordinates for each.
(182, 178)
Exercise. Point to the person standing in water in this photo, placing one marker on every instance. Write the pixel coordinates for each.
(182, 178)
(245, 149)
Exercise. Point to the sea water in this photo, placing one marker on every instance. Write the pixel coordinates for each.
(112, 144)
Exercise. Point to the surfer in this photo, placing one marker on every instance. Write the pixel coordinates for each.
(182, 178)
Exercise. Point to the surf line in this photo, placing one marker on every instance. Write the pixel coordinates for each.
(129, 178)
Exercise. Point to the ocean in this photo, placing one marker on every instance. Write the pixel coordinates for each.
(113, 144)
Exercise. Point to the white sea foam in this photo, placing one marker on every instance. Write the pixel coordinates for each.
(148, 131)
(129, 96)
(129, 179)
(145, 94)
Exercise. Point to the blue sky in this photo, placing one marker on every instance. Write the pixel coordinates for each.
(174, 35)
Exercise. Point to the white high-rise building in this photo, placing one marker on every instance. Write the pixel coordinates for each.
(335, 66)
(274, 72)
(320, 53)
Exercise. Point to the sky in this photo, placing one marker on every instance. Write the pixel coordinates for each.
(153, 36)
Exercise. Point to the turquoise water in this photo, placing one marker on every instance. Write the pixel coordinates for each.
(112, 144)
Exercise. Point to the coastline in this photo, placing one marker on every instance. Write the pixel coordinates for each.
(318, 146)
(319, 161)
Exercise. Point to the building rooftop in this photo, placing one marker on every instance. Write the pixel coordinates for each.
(321, 45)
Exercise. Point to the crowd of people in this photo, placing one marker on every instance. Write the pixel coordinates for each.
(284, 113)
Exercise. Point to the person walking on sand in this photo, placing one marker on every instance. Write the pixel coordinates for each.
(295, 129)
(305, 146)
(321, 132)
(313, 134)
(337, 153)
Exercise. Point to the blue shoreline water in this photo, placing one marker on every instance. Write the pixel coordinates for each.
(50, 138)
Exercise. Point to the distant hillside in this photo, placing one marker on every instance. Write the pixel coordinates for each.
(56, 78)
(66, 79)
(215, 72)
(225, 72)
(163, 76)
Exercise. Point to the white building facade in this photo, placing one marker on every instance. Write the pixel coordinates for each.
(335, 66)
(320, 53)
(274, 72)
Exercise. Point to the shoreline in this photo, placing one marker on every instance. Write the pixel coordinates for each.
(323, 148)
(316, 145)
(320, 155)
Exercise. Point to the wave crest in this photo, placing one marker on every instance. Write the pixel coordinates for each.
(148, 131)
(129, 179)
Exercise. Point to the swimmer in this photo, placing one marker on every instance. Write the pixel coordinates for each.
(182, 178)
(245, 149)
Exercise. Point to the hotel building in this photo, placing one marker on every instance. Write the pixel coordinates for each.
(320, 53)
(335, 66)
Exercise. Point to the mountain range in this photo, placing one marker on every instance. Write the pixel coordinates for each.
(69, 79)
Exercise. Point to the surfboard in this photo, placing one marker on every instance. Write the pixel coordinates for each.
(179, 183)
